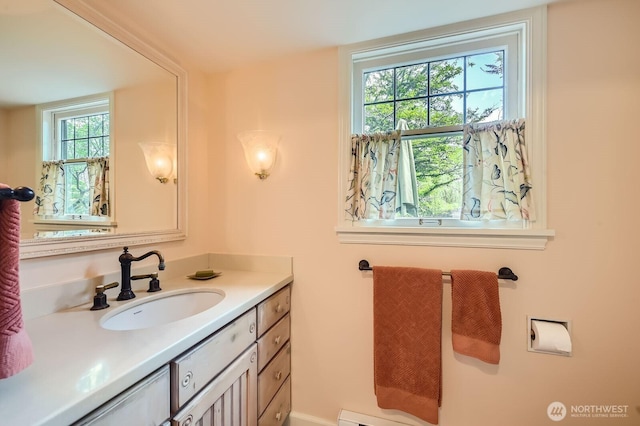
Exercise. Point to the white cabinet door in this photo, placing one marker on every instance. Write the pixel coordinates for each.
(144, 404)
(229, 400)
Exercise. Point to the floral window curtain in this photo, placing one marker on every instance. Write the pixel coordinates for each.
(50, 197)
(373, 176)
(496, 181)
(98, 170)
(51, 189)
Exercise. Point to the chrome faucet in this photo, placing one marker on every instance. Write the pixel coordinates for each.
(125, 265)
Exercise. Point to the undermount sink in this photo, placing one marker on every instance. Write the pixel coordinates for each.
(162, 309)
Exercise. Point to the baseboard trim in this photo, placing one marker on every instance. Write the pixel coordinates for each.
(300, 419)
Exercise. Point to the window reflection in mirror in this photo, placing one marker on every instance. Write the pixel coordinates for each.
(49, 56)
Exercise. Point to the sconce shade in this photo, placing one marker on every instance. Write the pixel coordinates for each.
(160, 158)
(260, 150)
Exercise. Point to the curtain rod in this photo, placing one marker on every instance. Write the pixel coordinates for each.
(503, 274)
(431, 130)
(77, 160)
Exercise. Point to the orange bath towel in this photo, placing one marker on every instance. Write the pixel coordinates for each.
(476, 321)
(15, 346)
(407, 323)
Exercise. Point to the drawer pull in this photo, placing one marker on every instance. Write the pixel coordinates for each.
(278, 375)
(188, 421)
(187, 379)
(279, 308)
(278, 416)
(252, 328)
(277, 340)
(253, 357)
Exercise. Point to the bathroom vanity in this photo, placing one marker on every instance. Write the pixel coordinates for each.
(227, 365)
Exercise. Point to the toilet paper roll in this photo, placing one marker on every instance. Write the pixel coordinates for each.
(550, 337)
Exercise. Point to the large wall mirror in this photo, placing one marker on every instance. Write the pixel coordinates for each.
(56, 51)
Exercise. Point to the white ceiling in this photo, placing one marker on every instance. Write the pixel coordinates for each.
(221, 35)
(40, 43)
(47, 54)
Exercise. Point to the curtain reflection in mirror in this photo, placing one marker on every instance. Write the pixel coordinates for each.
(89, 184)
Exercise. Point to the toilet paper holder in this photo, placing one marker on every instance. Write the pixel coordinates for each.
(548, 346)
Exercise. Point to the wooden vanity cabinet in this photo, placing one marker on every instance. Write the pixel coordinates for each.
(273, 376)
(193, 370)
(228, 400)
(274, 359)
(215, 382)
(145, 403)
(238, 376)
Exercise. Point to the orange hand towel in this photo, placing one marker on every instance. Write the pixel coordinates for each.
(15, 345)
(407, 327)
(476, 322)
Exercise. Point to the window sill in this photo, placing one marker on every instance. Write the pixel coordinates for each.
(523, 239)
(76, 223)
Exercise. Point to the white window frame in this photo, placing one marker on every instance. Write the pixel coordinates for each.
(49, 150)
(530, 26)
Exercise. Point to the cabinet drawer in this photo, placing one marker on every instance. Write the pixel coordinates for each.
(193, 370)
(278, 410)
(272, 377)
(272, 309)
(228, 400)
(146, 403)
(272, 341)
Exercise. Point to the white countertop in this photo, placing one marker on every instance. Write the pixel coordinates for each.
(79, 365)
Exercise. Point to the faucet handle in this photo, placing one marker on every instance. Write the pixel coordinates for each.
(143, 276)
(100, 299)
(154, 283)
(101, 288)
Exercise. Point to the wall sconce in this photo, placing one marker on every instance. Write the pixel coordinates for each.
(260, 149)
(161, 159)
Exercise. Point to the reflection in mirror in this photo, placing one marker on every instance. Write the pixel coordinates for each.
(52, 57)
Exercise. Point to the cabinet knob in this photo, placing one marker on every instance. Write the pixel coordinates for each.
(252, 327)
(188, 421)
(278, 375)
(277, 340)
(279, 308)
(278, 416)
(186, 379)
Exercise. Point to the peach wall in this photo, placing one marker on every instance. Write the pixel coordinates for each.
(20, 149)
(593, 86)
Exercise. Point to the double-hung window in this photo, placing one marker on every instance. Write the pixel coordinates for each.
(429, 85)
(76, 146)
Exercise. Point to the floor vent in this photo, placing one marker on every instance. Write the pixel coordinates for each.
(349, 418)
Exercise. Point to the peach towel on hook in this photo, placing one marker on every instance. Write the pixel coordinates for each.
(407, 326)
(16, 352)
(476, 320)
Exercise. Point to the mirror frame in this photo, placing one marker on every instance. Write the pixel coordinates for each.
(52, 247)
